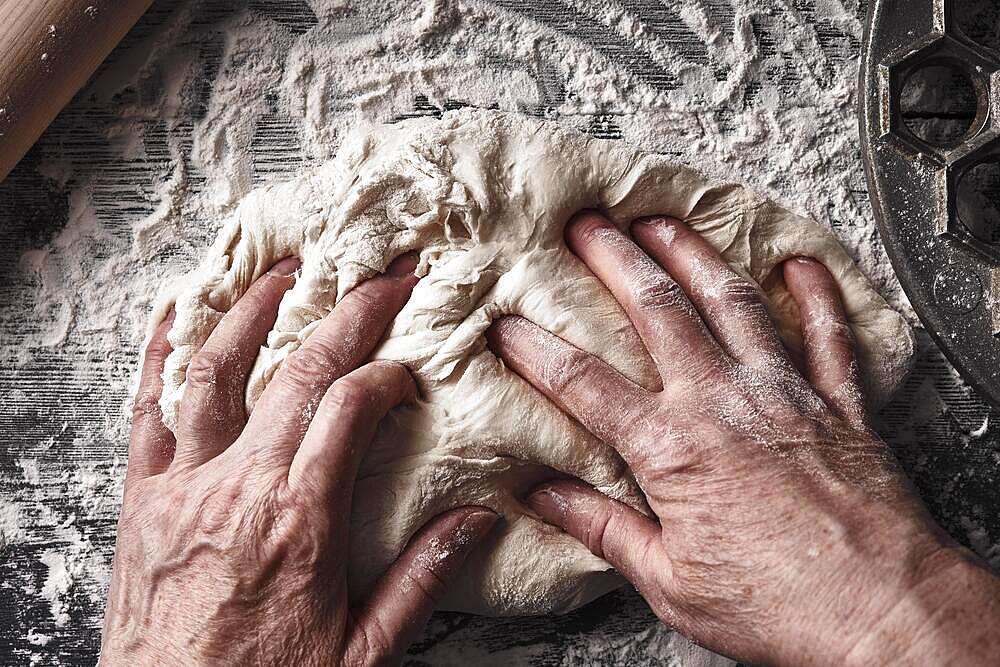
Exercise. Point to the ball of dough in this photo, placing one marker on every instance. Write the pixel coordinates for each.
(484, 197)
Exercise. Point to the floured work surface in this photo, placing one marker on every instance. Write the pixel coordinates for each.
(206, 100)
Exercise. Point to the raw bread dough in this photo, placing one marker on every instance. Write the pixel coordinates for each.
(484, 197)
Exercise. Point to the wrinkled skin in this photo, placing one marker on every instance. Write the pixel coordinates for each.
(232, 541)
(782, 532)
(783, 529)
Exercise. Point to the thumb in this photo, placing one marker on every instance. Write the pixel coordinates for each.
(611, 530)
(405, 597)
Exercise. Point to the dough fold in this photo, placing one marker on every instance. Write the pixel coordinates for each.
(484, 197)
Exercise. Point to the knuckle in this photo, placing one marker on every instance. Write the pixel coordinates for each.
(147, 404)
(686, 457)
(372, 294)
(596, 530)
(291, 531)
(842, 332)
(203, 371)
(668, 454)
(424, 575)
(218, 508)
(737, 290)
(567, 369)
(158, 349)
(350, 395)
(829, 329)
(660, 293)
(372, 647)
(311, 364)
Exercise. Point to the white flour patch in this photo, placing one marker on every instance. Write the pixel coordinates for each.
(212, 100)
(57, 584)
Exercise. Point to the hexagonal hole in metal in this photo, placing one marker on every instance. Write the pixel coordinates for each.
(945, 89)
(942, 103)
(977, 200)
(972, 183)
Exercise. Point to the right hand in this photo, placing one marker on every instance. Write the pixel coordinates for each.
(784, 530)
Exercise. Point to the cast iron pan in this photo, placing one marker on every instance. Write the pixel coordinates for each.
(930, 133)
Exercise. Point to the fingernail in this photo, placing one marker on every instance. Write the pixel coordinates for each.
(480, 521)
(548, 504)
(587, 222)
(807, 263)
(286, 267)
(510, 323)
(171, 315)
(501, 328)
(403, 265)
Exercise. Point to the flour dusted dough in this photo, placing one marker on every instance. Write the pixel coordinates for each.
(484, 197)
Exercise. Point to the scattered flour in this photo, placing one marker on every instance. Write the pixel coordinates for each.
(208, 100)
(57, 583)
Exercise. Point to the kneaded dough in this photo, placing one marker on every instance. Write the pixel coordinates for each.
(484, 197)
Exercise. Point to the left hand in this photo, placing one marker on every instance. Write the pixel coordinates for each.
(232, 541)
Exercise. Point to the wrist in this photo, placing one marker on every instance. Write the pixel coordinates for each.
(151, 648)
(948, 613)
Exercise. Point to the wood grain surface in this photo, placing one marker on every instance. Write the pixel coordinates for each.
(60, 463)
(48, 50)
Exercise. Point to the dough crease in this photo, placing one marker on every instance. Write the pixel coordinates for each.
(484, 197)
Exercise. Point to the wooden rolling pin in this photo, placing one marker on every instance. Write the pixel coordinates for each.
(48, 50)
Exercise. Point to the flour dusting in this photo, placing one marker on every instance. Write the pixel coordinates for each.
(207, 100)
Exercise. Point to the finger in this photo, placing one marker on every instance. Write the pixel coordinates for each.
(609, 405)
(610, 529)
(326, 464)
(831, 365)
(403, 600)
(729, 304)
(341, 343)
(668, 324)
(212, 412)
(151, 445)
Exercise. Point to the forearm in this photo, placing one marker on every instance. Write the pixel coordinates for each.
(950, 617)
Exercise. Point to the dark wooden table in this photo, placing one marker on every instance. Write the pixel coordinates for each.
(62, 450)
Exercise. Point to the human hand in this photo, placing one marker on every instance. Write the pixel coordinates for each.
(233, 538)
(784, 530)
